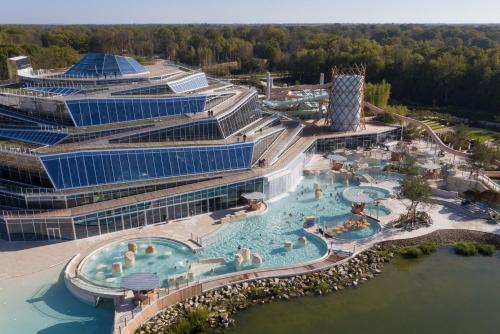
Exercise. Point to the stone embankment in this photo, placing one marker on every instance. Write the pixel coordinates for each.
(222, 303)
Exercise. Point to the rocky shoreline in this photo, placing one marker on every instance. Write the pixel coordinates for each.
(222, 303)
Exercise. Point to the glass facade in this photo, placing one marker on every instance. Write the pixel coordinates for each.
(13, 122)
(32, 136)
(130, 216)
(47, 199)
(325, 145)
(263, 144)
(241, 116)
(162, 210)
(149, 90)
(89, 168)
(200, 130)
(39, 229)
(88, 112)
(55, 90)
(86, 135)
(192, 82)
(94, 64)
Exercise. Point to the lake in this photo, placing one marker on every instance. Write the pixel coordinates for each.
(441, 293)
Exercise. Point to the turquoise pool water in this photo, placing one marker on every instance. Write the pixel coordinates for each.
(351, 193)
(40, 303)
(379, 175)
(264, 234)
(328, 222)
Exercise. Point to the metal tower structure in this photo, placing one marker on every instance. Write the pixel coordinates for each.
(345, 109)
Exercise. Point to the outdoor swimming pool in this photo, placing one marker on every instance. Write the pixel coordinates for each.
(329, 223)
(374, 193)
(265, 235)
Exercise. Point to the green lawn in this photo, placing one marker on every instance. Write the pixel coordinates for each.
(434, 125)
(482, 135)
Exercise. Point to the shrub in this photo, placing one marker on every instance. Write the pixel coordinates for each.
(428, 247)
(466, 248)
(196, 321)
(412, 252)
(486, 249)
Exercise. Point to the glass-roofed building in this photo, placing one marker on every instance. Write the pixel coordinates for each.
(110, 144)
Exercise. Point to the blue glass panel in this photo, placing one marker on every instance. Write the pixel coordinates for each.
(94, 64)
(104, 167)
(99, 169)
(125, 167)
(33, 136)
(133, 167)
(105, 111)
(73, 166)
(183, 161)
(174, 162)
(142, 164)
(89, 169)
(53, 169)
(116, 166)
(204, 160)
(188, 162)
(66, 171)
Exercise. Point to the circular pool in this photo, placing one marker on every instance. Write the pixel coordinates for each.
(170, 258)
(352, 193)
(352, 233)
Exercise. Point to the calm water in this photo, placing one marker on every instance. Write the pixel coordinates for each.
(443, 293)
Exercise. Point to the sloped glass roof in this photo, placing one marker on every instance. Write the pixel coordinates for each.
(100, 64)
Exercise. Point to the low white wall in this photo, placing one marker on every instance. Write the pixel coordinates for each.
(444, 193)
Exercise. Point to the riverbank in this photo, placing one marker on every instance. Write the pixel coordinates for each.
(216, 308)
(442, 293)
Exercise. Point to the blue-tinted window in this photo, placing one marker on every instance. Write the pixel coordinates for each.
(104, 111)
(89, 168)
(33, 136)
(192, 82)
(99, 64)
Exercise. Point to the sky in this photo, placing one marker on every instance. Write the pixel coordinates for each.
(247, 11)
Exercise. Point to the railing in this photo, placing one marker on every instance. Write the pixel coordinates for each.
(489, 183)
(17, 150)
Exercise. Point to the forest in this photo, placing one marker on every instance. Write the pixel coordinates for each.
(425, 65)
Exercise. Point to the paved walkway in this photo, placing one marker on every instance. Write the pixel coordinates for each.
(24, 258)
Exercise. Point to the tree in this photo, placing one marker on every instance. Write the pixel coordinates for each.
(417, 191)
(378, 94)
(459, 138)
(482, 155)
(408, 165)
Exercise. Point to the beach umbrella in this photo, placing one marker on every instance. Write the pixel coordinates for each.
(254, 196)
(336, 157)
(140, 281)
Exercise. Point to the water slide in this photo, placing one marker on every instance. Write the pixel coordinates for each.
(295, 101)
(435, 138)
